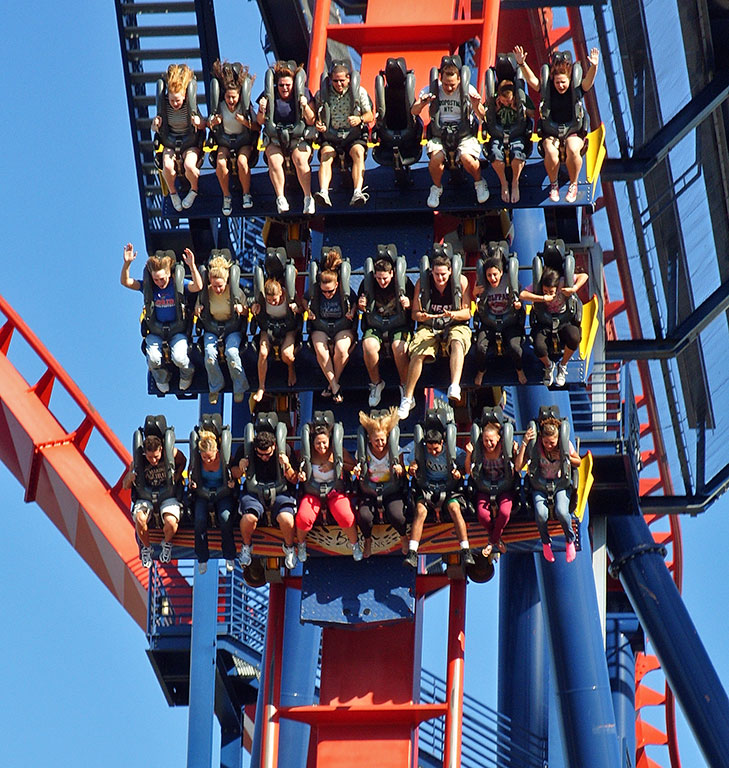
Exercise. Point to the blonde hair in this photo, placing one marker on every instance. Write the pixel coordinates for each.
(492, 426)
(207, 440)
(272, 287)
(330, 265)
(385, 423)
(155, 263)
(219, 267)
(179, 76)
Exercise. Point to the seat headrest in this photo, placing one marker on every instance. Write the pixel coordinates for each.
(491, 415)
(388, 252)
(505, 67)
(548, 412)
(451, 61)
(275, 262)
(396, 71)
(323, 418)
(155, 425)
(212, 422)
(266, 421)
(560, 56)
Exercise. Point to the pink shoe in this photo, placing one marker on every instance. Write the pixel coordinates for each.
(547, 552)
(554, 192)
(571, 196)
(570, 551)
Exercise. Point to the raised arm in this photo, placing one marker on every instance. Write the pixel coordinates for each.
(589, 78)
(189, 258)
(531, 79)
(126, 280)
(520, 459)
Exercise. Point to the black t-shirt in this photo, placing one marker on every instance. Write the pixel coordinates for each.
(156, 476)
(386, 301)
(264, 471)
(284, 110)
(561, 105)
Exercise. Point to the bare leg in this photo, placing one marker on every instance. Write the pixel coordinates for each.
(264, 349)
(244, 170)
(416, 530)
(325, 168)
(276, 168)
(457, 356)
(286, 524)
(471, 166)
(459, 525)
(222, 172)
(343, 343)
(371, 354)
(192, 172)
(500, 169)
(142, 520)
(402, 361)
(248, 524)
(300, 158)
(573, 159)
(169, 172)
(415, 368)
(357, 154)
(436, 166)
(320, 342)
(551, 157)
(170, 527)
(517, 166)
(288, 350)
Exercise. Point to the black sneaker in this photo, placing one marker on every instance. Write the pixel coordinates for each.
(411, 559)
(467, 557)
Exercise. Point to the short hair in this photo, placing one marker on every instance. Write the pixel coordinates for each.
(550, 278)
(152, 443)
(282, 69)
(450, 69)
(207, 440)
(492, 426)
(505, 86)
(264, 440)
(433, 436)
(338, 69)
(321, 429)
(383, 265)
(441, 260)
(561, 67)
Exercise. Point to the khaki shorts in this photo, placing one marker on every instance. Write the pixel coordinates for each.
(167, 507)
(467, 146)
(426, 341)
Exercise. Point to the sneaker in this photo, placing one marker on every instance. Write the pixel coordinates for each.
(185, 382)
(301, 552)
(547, 552)
(375, 393)
(561, 376)
(356, 552)
(227, 206)
(467, 557)
(230, 566)
(282, 204)
(244, 556)
(571, 195)
(189, 199)
(323, 197)
(434, 196)
(247, 201)
(213, 398)
(202, 567)
(570, 551)
(482, 191)
(176, 202)
(548, 375)
(359, 197)
(289, 556)
(411, 559)
(454, 392)
(501, 546)
(406, 405)
(145, 553)
(239, 397)
(554, 192)
(166, 554)
(309, 207)
(163, 386)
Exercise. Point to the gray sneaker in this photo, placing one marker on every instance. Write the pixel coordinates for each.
(244, 556)
(411, 559)
(375, 393)
(357, 552)
(185, 382)
(359, 197)
(145, 553)
(166, 554)
(561, 376)
(202, 567)
(247, 201)
(301, 552)
(323, 197)
(289, 556)
(548, 377)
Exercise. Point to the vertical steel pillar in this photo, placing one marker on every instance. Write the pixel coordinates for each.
(638, 560)
(621, 668)
(271, 684)
(318, 47)
(523, 670)
(202, 668)
(454, 680)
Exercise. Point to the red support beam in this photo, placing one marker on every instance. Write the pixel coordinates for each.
(454, 681)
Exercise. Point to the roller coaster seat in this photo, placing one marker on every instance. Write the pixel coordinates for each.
(401, 318)
(426, 298)
(579, 123)
(398, 133)
(279, 266)
(322, 420)
(265, 491)
(560, 258)
(506, 69)
(235, 323)
(178, 142)
(155, 426)
(150, 324)
(485, 319)
(395, 484)
(210, 422)
(330, 328)
(246, 137)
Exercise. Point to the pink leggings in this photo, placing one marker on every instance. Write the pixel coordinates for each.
(494, 527)
(310, 506)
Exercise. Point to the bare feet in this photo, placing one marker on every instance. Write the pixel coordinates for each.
(515, 196)
(292, 376)
(367, 549)
(505, 194)
(478, 378)
(521, 376)
(258, 396)
(404, 541)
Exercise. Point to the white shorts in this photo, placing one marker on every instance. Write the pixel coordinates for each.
(167, 507)
(467, 146)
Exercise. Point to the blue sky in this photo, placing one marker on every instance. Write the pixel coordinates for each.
(78, 688)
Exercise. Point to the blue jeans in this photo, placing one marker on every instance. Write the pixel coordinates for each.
(232, 355)
(224, 513)
(178, 352)
(561, 512)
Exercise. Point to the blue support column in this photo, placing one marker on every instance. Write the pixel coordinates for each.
(523, 670)
(202, 668)
(621, 668)
(657, 603)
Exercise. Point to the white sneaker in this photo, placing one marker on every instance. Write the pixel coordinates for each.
(244, 556)
(561, 376)
(163, 386)
(227, 206)
(189, 199)
(323, 197)
(454, 392)
(571, 195)
(554, 192)
(375, 393)
(301, 552)
(482, 191)
(359, 197)
(145, 554)
(185, 382)
(202, 568)
(309, 207)
(406, 405)
(357, 552)
(166, 554)
(289, 556)
(434, 196)
(247, 201)
(176, 202)
(230, 566)
(548, 375)
(282, 204)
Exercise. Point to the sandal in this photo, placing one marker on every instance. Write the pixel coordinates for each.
(338, 397)
(326, 392)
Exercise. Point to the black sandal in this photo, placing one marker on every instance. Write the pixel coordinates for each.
(338, 397)
(326, 392)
